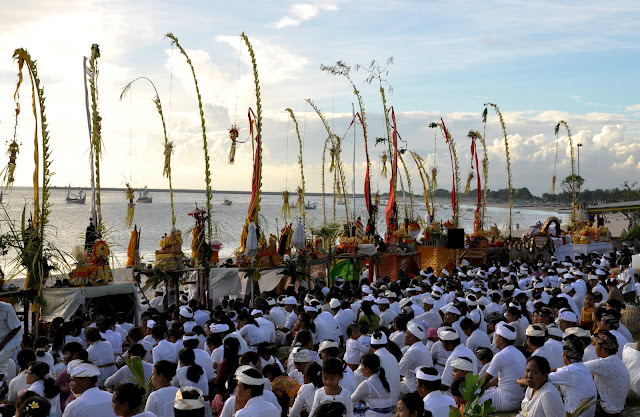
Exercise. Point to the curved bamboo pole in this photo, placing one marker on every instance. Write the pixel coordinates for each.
(424, 176)
(485, 170)
(302, 207)
(207, 167)
(168, 146)
(335, 140)
(256, 81)
(96, 124)
(455, 168)
(406, 174)
(506, 147)
(573, 170)
(34, 238)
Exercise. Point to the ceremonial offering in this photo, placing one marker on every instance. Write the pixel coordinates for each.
(170, 255)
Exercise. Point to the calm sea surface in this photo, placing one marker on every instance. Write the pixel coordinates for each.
(68, 222)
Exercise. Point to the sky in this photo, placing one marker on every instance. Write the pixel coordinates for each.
(539, 61)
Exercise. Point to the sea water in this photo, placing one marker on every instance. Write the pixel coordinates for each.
(68, 222)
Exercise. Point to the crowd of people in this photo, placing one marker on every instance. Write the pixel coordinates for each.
(545, 339)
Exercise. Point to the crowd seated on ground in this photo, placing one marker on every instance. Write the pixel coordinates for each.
(545, 338)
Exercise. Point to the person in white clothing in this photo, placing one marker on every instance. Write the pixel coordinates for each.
(19, 384)
(428, 384)
(124, 374)
(536, 344)
(90, 400)
(267, 328)
(250, 330)
(160, 401)
(100, 354)
(191, 341)
(329, 349)
(354, 348)
(10, 335)
(306, 393)
(250, 392)
(475, 337)
(43, 385)
(451, 343)
(164, 350)
(332, 371)
(127, 400)
(508, 365)
(610, 374)
(416, 355)
(374, 391)
(386, 313)
(542, 398)
(574, 379)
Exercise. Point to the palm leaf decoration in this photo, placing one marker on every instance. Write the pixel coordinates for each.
(96, 124)
(472, 392)
(137, 370)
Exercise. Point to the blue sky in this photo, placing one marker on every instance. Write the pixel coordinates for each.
(540, 61)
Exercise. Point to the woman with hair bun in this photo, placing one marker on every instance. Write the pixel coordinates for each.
(127, 400)
(374, 390)
(42, 384)
(190, 374)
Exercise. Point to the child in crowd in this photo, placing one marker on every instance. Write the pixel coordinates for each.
(354, 348)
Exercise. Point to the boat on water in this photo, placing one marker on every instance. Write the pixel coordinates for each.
(226, 202)
(74, 198)
(145, 196)
(311, 205)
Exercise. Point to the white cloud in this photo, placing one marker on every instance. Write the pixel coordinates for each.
(634, 108)
(609, 135)
(301, 12)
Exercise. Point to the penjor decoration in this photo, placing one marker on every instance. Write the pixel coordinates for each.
(233, 135)
(14, 148)
(131, 206)
(574, 203)
(285, 209)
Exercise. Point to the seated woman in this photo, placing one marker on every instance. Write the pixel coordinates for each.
(542, 398)
(43, 385)
(375, 390)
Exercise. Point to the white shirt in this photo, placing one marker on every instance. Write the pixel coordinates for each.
(627, 277)
(478, 339)
(545, 403)
(181, 381)
(124, 375)
(612, 382)
(204, 360)
(508, 365)
(252, 334)
(438, 404)
(344, 318)
(268, 329)
(160, 402)
(417, 355)
(387, 316)
(17, 385)
(545, 351)
(326, 328)
(38, 388)
(459, 351)
(9, 321)
(165, 350)
(304, 400)
(92, 402)
(440, 355)
(229, 406)
(115, 339)
(389, 363)
(258, 407)
(291, 319)
(101, 353)
(576, 384)
(354, 351)
(348, 380)
(279, 316)
(375, 395)
(397, 337)
(321, 397)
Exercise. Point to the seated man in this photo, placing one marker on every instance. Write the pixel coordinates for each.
(508, 365)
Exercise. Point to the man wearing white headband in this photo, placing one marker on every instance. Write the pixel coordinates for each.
(451, 343)
(428, 386)
(536, 344)
(431, 315)
(186, 318)
(250, 389)
(386, 313)
(507, 365)
(267, 327)
(416, 355)
(164, 350)
(188, 401)
(90, 400)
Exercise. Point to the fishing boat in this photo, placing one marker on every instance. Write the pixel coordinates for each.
(77, 198)
(145, 196)
(311, 205)
(226, 202)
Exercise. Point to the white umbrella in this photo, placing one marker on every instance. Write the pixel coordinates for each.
(252, 241)
(298, 241)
